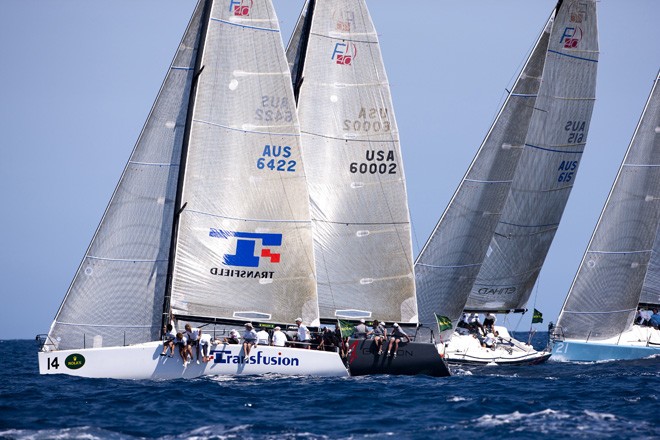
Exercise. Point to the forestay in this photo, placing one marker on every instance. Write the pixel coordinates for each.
(548, 165)
(244, 247)
(449, 263)
(354, 168)
(621, 263)
(116, 296)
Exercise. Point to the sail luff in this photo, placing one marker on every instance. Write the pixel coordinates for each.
(450, 259)
(548, 166)
(614, 270)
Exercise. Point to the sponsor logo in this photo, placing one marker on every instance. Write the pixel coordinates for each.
(245, 247)
(497, 290)
(571, 37)
(74, 361)
(240, 8)
(344, 53)
(227, 357)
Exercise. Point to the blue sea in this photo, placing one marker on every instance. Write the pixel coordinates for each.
(554, 400)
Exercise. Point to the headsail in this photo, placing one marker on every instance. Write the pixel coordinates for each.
(450, 260)
(244, 246)
(350, 141)
(548, 165)
(243, 231)
(116, 296)
(621, 261)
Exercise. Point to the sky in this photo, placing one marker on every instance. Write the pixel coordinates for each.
(79, 78)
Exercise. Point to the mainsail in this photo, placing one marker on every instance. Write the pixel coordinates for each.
(548, 166)
(218, 165)
(450, 260)
(620, 267)
(352, 156)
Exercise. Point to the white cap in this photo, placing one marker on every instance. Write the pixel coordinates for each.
(395, 324)
(277, 327)
(362, 321)
(298, 319)
(248, 324)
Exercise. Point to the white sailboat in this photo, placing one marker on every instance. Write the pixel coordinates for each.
(488, 247)
(620, 271)
(210, 221)
(353, 161)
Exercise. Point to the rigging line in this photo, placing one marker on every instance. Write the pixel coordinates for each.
(248, 131)
(154, 164)
(359, 224)
(600, 313)
(553, 150)
(572, 56)
(390, 141)
(247, 219)
(620, 252)
(338, 37)
(127, 260)
(449, 267)
(245, 26)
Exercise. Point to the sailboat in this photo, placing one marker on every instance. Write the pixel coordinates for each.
(209, 223)
(359, 208)
(488, 247)
(620, 270)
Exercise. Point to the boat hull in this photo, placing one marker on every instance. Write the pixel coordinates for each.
(143, 361)
(465, 348)
(412, 358)
(581, 351)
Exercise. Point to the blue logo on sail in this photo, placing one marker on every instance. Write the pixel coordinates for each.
(245, 246)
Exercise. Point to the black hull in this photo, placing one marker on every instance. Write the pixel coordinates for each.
(412, 358)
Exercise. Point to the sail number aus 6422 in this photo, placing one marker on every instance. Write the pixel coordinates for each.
(276, 158)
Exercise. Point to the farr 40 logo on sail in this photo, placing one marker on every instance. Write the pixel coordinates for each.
(344, 53)
(240, 8)
(246, 243)
(571, 37)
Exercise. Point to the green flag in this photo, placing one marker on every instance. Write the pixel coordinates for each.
(346, 328)
(444, 323)
(537, 317)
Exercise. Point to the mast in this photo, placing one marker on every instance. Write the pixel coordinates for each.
(297, 76)
(184, 154)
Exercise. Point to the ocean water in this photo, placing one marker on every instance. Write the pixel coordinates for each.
(554, 400)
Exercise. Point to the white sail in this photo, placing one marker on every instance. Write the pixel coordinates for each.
(449, 262)
(353, 161)
(244, 246)
(548, 166)
(116, 296)
(621, 259)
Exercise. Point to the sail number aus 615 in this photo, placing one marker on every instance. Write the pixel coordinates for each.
(276, 158)
(376, 162)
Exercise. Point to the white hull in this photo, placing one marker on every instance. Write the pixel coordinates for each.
(143, 361)
(637, 343)
(464, 348)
